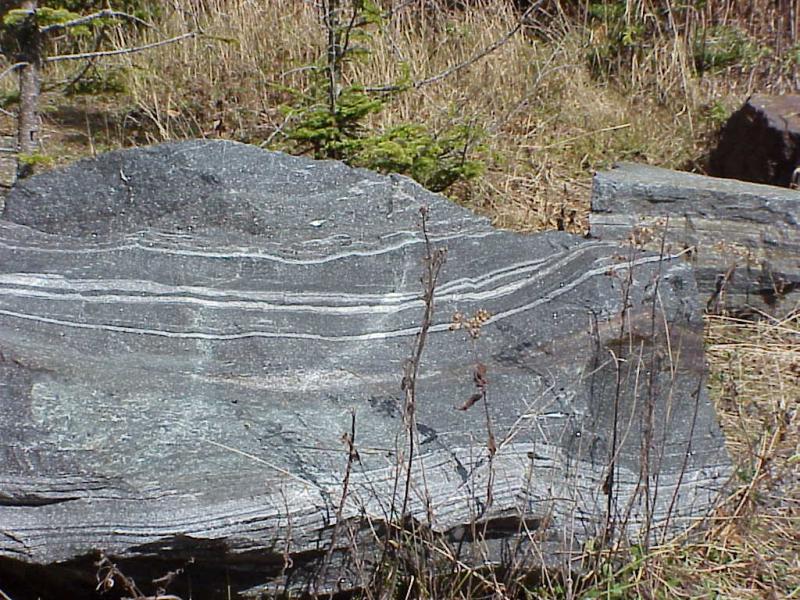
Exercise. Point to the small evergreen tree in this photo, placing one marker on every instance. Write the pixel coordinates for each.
(329, 119)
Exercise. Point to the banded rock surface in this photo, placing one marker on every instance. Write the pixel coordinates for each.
(187, 331)
(742, 239)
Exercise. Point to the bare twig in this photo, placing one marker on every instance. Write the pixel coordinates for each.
(345, 37)
(103, 14)
(498, 43)
(13, 68)
(569, 140)
(434, 260)
(122, 51)
(98, 40)
(352, 456)
(388, 14)
(685, 464)
(491, 447)
(609, 484)
(108, 574)
(331, 21)
(393, 10)
(286, 554)
(260, 461)
(648, 431)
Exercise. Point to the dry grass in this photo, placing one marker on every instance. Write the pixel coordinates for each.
(550, 120)
(751, 550)
(558, 100)
(551, 117)
(750, 547)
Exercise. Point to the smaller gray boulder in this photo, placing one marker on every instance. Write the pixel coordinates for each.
(742, 239)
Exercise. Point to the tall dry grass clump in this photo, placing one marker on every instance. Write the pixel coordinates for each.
(574, 87)
(548, 118)
(580, 85)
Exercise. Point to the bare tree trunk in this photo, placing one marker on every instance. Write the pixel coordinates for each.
(28, 119)
(331, 18)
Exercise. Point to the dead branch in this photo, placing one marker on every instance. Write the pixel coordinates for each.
(85, 55)
(89, 64)
(13, 68)
(106, 13)
(108, 574)
(434, 260)
(349, 439)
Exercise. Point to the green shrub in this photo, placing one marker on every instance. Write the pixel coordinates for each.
(436, 160)
(332, 134)
(724, 46)
(144, 9)
(98, 81)
(334, 124)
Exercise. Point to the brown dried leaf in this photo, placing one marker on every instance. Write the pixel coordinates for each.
(471, 401)
(479, 376)
(491, 445)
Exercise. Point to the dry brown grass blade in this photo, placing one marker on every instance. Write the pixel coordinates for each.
(749, 549)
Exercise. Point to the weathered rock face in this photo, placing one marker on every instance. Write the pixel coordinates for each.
(760, 142)
(186, 331)
(743, 239)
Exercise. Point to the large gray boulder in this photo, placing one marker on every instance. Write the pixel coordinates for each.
(187, 331)
(742, 239)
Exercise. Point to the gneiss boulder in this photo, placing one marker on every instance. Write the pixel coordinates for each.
(760, 142)
(742, 239)
(188, 331)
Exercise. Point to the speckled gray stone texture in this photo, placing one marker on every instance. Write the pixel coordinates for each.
(186, 330)
(742, 239)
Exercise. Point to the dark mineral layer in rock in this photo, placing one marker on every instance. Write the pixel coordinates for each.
(187, 331)
(760, 142)
(742, 239)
